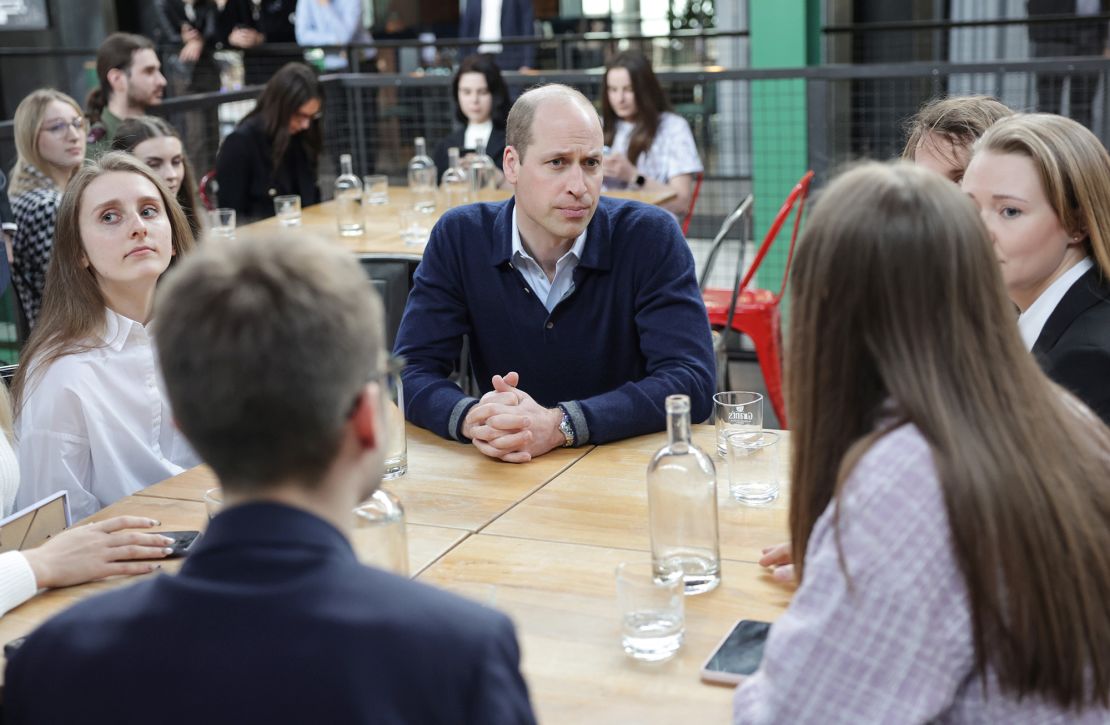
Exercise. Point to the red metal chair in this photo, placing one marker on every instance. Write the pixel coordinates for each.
(208, 188)
(755, 312)
(693, 200)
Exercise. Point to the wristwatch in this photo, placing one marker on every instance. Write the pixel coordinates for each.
(567, 429)
(640, 181)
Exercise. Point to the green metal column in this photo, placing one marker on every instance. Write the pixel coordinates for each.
(784, 34)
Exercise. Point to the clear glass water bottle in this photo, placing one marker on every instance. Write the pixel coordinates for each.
(682, 505)
(378, 535)
(348, 199)
(483, 172)
(422, 178)
(456, 187)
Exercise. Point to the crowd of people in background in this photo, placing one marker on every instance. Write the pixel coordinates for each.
(951, 314)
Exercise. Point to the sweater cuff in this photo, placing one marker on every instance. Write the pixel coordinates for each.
(578, 422)
(17, 580)
(458, 417)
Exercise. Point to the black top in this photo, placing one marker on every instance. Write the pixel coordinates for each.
(247, 183)
(1074, 347)
(495, 148)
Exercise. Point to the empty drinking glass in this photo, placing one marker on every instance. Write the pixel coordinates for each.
(651, 609)
(375, 190)
(287, 209)
(416, 225)
(753, 467)
(736, 411)
(221, 223)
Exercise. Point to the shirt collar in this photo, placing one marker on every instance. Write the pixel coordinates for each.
(1032, 321)
(520, 251)
(117, 329)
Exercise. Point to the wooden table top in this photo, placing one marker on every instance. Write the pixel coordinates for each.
(382, 235)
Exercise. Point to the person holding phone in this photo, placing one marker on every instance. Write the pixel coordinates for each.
(482, 107)
(950, 517)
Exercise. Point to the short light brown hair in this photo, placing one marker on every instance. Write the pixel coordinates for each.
(518, 128)
(265, 343)
(960, 119)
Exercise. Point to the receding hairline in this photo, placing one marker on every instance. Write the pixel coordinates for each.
(531, 101)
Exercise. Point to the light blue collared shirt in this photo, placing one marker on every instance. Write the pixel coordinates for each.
(550, 292)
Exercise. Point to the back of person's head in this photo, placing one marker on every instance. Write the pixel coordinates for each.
(116, 52)
(498, 90)
(73, 304)
(899, 316)
(651, 101)
(133, 131)
(518, 128)
(294, 85)
(265, 344)
(949, 126)
(1074, 170)
(29, 115)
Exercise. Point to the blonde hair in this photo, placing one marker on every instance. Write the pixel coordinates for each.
(900, 316)
(1074, 171)
(28, 122)
(73, 306)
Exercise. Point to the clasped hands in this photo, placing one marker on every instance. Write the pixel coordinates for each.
(509, 425)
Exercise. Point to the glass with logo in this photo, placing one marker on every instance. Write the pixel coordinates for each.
(736, 411)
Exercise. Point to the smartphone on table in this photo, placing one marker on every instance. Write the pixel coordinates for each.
(738, 655)
(182, 541)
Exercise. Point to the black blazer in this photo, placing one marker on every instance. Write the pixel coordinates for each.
(495, 148)
(271, 620)
(248, 184)
(1074, 347)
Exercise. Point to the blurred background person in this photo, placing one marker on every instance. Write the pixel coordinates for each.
(131, 81)
(492, 20)
(1058, 40)
(274, 150)
(650, 147)
(330, 22)
(194, 25)
(940, 135)
(481, 107)
(248, 24)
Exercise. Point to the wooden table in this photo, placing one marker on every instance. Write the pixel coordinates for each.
(541, 542)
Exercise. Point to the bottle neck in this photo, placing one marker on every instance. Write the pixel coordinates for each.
(678, 427)
(345, 168)
(420, 150)
(452, 158)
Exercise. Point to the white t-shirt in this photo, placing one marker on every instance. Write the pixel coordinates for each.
(672, 153)
(98, 423)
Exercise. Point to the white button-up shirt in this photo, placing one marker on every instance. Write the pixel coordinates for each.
(97, 423)
(549, 291)
(1033, 320)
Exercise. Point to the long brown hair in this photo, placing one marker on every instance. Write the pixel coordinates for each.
(1074, 171)
(651, 102)
(287, 90)
(134, 131)
(73, 305)
(116, 52)
(29, 115)
(900, 316)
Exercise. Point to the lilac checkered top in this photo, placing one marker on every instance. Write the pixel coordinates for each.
(898, 647)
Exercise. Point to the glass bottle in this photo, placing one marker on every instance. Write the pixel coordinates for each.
(422, 178)
(378, 535)
(483, 172)
(456, 187)
(348, 199)
(682, 505)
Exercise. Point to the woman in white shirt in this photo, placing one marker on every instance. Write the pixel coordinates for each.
(650, 147)
(1042, 184)
(91, 415)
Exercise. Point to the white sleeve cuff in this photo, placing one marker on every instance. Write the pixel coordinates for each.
(17, 581)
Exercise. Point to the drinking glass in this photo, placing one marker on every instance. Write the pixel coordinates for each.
(378, 535)
(375, 190)
(736, 411)
(651, 608)
(287, 208)
(396, 456)
(416, 225)
(753, 467)
(213, 501)
(221, 222)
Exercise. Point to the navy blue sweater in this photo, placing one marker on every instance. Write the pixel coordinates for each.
(632, 331)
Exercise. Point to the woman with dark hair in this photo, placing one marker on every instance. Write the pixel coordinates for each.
(273, 151)
(949, 506)
(156, 143)
(649, 146)
(91, 416)
(481, 105)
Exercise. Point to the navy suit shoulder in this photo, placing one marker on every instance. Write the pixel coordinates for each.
(1074, 346)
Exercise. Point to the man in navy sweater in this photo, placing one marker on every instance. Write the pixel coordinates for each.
(583, 315)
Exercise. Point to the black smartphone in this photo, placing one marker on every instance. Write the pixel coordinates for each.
(182, 541)
(738, 654)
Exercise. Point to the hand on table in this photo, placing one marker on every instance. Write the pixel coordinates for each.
(779, 559)
(617, 166)
(96, 551)
(509, 425)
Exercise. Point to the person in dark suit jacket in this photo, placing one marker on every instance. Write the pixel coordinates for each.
(274, 149)
(272, 618)
(1042, 183)
(1066, 39)
(516, 21)
(482, 106)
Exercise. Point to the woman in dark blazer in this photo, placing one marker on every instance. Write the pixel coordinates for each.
(481, 106)
(274, 149)
(1042, 183)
